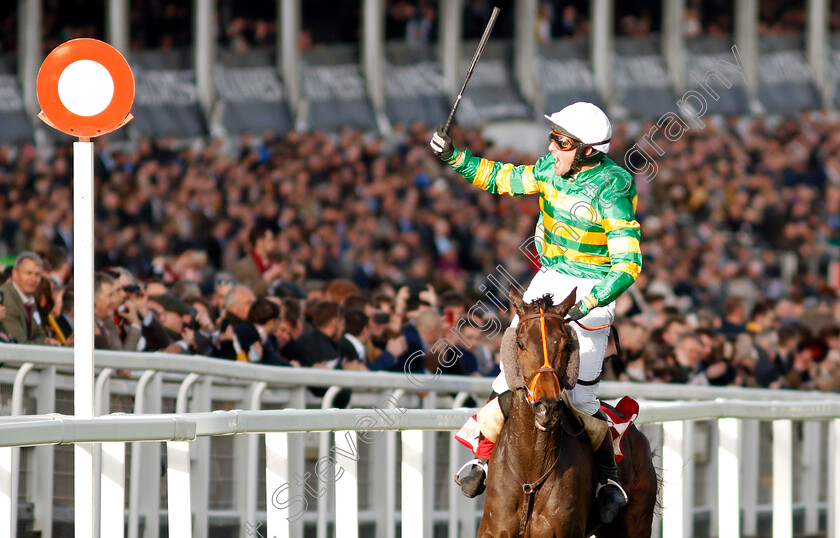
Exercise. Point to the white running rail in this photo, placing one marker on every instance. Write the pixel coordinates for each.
(353, 428)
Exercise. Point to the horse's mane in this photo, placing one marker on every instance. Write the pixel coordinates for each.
(545, 302)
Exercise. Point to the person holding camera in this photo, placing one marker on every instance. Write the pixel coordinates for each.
(132, 295)
(178, 321)
(106, 300)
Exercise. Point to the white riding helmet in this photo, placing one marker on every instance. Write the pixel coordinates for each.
(585, 122)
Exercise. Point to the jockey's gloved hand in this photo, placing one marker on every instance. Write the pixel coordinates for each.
(576, 312)
(441, 144)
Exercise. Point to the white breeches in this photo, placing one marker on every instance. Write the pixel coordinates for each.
(593, 344)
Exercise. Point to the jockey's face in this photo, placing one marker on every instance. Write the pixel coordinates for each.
(563, 159)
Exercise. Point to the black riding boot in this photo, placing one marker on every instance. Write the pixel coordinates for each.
(472, 482)
(610, 494)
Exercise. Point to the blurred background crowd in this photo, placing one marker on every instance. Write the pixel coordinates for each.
(241, 25)
(354, 251)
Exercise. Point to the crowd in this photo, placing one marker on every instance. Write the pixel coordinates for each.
(354, 251)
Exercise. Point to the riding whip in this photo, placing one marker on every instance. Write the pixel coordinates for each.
(477, 55)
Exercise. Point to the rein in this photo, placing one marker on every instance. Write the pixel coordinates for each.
(528, 491)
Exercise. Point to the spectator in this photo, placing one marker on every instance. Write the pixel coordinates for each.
(105, 301)
(256, 335)
(154, 336)
(238, 303)
(57, 265)
(174, 315)
(687, 355)
(21, 321)
(257, 270)
(775, 358)
(763, 318)
(422, 354)
(65, 319)
(355, 343)
(734, 321)
(318, 347)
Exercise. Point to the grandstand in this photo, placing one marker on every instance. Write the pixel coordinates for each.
(223, 67)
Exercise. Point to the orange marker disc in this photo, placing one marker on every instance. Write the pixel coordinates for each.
(85, 88)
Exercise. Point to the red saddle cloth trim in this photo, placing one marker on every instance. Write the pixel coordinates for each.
(620, 418)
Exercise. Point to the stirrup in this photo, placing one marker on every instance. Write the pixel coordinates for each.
(611, 482)
(473, 484)
(478, 462)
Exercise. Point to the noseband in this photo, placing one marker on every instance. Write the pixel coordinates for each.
(546, 367)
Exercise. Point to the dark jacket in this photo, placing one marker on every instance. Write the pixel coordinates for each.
(17, 323)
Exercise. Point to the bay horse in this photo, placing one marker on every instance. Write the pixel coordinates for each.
(542, 475)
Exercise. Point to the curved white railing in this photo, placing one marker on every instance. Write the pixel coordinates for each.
(194, 383)
(354, 426)
(44, 356)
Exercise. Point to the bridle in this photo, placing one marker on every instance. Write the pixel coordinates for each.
(546, 368)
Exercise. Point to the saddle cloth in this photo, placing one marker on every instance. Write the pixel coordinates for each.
(619, 419)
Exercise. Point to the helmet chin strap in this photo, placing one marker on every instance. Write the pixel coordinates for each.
(581, 159)
(577, 163)
(580, 152)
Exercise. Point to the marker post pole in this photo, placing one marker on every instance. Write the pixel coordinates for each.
(85, 89)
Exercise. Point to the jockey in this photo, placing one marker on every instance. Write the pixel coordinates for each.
(588, 238)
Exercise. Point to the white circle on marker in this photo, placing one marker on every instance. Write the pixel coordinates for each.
(85, 87)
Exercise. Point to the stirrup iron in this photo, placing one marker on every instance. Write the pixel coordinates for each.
(478, 462)
(609, 482)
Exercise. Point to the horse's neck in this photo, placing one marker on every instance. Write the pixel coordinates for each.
(529, 439)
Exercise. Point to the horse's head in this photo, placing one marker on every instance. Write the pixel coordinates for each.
(547, 354)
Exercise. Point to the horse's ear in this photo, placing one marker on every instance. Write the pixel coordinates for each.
(516, 300)
(567, 303)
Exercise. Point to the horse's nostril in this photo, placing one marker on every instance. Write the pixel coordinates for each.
(545, 409)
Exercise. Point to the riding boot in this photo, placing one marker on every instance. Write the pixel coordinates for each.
(472, 482)
(609, 493)
(479, 434)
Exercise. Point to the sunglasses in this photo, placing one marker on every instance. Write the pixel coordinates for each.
(564, 143)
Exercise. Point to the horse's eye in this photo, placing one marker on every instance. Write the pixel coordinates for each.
(520, 344)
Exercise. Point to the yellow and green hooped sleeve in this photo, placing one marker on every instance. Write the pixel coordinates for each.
(623, 235)
(495, 177)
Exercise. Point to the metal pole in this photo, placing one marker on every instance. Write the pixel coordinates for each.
(117, 32)
(746, 39)
(602, 46)
(449, 43)
(288, 56)
(373, 58)
(816, 43)
(525, 49)
(205, 47)
(29, 51)
(83, 331)
(673, 42)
